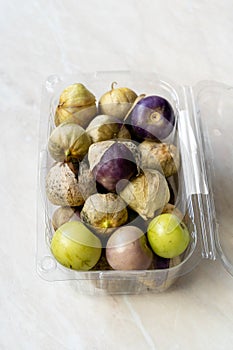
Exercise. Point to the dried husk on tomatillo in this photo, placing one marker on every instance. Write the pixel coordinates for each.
(62, 187)
(64, 214)
(104, 212)
(146, 193)
(117, 102)
(113, 161)
(104, 127)
(69, 141)
(86, 180)
(172, 209)
(160, 156)
(97, 150)
(169, 209)
(76, 104)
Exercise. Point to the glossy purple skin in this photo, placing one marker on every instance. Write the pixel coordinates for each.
(116, 164)
(152, 118)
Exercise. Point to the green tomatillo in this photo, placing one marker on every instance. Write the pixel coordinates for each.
(168, 236)
(75, 246)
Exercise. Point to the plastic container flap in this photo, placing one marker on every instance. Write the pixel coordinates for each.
(214, 107)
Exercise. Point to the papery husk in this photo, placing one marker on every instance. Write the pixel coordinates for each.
(104, 213)
(79, 115)
(146, 193)
(86, 180)
(62, 187)
(61, 216)
(117, 102)
(172, 209)
(76, 95)
(68, 141)
(97, 150)
(160, 156)
(105, 127)
(124, 133)
(76, 104)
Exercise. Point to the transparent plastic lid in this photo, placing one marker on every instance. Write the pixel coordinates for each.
(202, 189)
(214, 107)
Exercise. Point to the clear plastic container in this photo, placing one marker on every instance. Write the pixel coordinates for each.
(204, 126)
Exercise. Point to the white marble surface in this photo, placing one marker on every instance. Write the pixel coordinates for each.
(185, 40)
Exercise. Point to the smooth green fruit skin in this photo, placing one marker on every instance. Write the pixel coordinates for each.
(168, 236)
(76, 247)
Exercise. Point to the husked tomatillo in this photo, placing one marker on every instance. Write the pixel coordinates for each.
(76, 104)
(111, 161)
(68, 141)
(62, 187)
(104, 213)
(146, 193)
(105, 127)
(117, 102)
(160, 156)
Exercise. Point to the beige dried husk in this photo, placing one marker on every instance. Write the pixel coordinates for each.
(61, 216)
(104, 213)
(62, 187)
(147, 193)
(68, 141)
(105, 127)
(160, 156)
(117, 101)
(86, 180)
(76, 104)
(172, 209)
